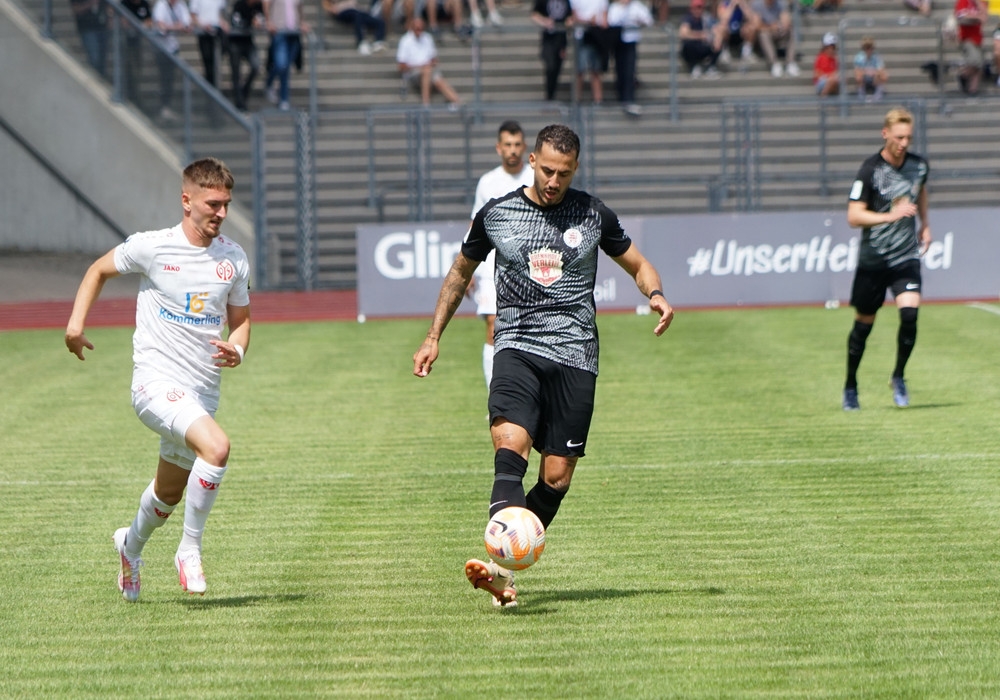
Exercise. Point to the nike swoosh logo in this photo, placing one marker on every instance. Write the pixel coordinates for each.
(570, 443)
(496, 504)
(912, 286)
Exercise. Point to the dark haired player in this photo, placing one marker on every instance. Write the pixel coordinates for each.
(546, 236)
(889, 192)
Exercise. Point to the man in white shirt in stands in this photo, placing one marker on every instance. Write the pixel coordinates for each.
(417, 60)
(194, 284)
(511, 174)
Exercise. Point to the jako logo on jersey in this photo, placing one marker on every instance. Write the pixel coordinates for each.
(175, 395)
(171, 268)
(421, 254)
(546, 266)
(225, 270)
(208, 485)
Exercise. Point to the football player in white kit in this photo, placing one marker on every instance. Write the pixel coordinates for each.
(194, 283)
(512, 173)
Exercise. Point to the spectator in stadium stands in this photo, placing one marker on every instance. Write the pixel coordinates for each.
(351, 14)
(170, 18)
(699, 41)
(661, 10)
(552, 16)
(970, 16)
(826, 68)
(593, 45)
(826, 5)
(629, 16)
(476, 15)
(416, 57)
(996, 54)
(247, 15)
(209, 26)
(738, 29)
(132, 66)
(92, 24)
(775, 35)
(284, 23)
(870, 75)
(921, 6)
(435, 11)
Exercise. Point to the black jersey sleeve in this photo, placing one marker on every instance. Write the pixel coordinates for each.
(614, 240)
(476, 245)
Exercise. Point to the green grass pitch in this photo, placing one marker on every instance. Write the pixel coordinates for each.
(731, 532)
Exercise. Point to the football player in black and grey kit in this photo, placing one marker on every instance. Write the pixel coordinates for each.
(889, 192)
(546, 238)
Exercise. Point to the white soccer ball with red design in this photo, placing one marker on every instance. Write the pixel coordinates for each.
(515, 538)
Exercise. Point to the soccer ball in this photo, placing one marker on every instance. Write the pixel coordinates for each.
(515, 538)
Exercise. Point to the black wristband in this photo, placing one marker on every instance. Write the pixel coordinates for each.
(655, 292)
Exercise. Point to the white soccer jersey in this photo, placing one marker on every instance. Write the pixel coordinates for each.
(181, 304)
(493, 184)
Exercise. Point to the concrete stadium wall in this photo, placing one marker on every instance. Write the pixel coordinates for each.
(106, 150)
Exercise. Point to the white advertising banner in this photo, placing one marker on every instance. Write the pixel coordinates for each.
(705, 260)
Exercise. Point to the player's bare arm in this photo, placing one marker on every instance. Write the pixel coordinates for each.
(90, 288)
(925, 227)
(231, 351)
(647, 279)
(860, 216)
(452, 292)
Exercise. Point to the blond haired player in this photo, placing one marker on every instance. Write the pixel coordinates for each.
(886, 198)
(194, 284)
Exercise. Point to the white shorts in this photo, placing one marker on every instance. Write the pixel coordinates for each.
(169, 411)
(485, 294)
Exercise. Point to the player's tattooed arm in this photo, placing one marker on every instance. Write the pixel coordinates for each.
(452, 292)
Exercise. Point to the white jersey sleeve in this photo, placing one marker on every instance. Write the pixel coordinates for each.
(182, 304)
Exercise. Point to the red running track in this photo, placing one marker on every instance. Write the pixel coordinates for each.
(266, 307)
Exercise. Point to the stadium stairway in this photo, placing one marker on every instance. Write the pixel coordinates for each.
(670, 161)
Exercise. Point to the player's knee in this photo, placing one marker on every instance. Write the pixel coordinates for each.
(908, 316)
(216, 451)
(508, 464)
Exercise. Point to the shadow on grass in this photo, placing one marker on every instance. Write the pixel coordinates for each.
(240, 601)
(540, 603)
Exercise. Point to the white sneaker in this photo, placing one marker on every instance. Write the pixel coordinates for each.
(476, 19)
(272, 95)
(189, 571)
(284, 106)
(365, 49)
(746, 53)
(128, 575)
(496, 19)
(776, 71)
(712, 73)
(378, 46)
(696, 72)
(633, 110)
(490, 577)
(792, 69)
(725, 58)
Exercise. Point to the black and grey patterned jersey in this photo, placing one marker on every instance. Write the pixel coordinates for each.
(546, 266)
(879, 185)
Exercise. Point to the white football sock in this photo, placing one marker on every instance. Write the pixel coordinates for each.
(202, 489)
(488, 363)
(152, 514)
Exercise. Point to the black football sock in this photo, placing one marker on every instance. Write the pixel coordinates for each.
(508, 472)
(543, 501)
(855, 349)
(906, 338)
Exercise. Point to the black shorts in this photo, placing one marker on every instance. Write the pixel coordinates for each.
(553, 402)
(868, 291)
